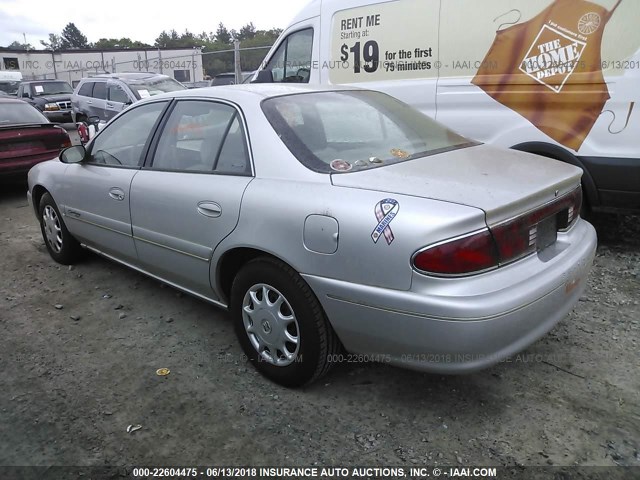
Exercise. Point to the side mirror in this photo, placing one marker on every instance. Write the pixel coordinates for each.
(94, 120)
(264, 76)
(75, 154)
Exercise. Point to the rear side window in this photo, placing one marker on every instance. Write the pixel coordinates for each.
(100, 90)
(203, 137)
(86, 89)
(116, 93)
(292, 61)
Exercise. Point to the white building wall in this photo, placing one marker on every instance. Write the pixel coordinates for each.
(184, 65)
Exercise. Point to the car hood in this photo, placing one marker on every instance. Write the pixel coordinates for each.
(65, 97)
(503, 183)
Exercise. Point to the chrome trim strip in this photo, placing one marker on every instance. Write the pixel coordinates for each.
(73, 217)
(156, 277)
(207, 260)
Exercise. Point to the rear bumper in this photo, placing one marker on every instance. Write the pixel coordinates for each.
(18, 166)
(462, 325)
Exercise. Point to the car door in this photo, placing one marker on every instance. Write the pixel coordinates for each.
(96, 194)
(187, 199)
(117, 100)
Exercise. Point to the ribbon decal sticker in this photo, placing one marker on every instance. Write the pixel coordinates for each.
(385, 212)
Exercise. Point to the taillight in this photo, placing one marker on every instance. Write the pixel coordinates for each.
(471, 254)
(503, 243)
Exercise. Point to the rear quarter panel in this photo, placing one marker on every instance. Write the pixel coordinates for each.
(273, 215)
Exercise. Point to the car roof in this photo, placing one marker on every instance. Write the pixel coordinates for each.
(48, 80)
(245, 91)
(128, 76)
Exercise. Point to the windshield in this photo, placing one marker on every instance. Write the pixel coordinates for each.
(20, 113)
(334, 132)
(9, 87)
(149, 88)
(50, 88)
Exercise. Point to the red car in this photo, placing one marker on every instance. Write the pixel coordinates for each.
(26, 137)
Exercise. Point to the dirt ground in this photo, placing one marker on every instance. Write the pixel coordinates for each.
(80, 346)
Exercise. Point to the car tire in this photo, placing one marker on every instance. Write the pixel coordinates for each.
(302, 354)
(61, 245)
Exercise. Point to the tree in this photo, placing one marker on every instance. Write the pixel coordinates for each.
(54, 43)
(223, 35)
(163, 40)
(20, 46)
(247, 32)
(124, 42)
(73, 38)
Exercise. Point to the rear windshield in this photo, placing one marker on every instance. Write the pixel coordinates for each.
(149, 88)
(20, 113)
(339, 132)
(50, 88)
(10, 87)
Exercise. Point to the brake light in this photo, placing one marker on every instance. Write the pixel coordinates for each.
(471, 254)
(503, 243)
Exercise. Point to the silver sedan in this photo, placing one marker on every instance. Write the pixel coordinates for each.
(334, 224)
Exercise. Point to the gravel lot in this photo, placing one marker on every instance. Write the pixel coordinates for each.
(80, 346)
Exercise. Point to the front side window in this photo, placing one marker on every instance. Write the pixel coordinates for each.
(292, 61)
(85, 89)
(203, 137)
(333, 132)
(123, 141)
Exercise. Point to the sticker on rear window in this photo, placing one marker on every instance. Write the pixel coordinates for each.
(39, 88)
(144, 93)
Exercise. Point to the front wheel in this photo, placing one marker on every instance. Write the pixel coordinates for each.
(61, 245)
(280, 323)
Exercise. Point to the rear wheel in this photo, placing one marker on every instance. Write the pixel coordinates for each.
(61, 245)
(280, 323)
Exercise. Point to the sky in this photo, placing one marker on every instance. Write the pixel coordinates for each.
(140, 20)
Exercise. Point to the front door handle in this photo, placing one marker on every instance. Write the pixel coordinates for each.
(209, 209)
(117, 194)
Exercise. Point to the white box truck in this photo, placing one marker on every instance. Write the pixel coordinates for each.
(559, 78)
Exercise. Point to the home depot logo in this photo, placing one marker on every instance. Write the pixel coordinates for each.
(553, 57)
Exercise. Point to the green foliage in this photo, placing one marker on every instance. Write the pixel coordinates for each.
(20, 46)
(54, 43)
(125, 42)
(73, 38)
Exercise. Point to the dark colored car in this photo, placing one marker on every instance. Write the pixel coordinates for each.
(228, 79)
(26, 137)
(104, 96)
(51, 97)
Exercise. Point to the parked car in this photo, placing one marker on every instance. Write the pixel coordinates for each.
(51, 97)
(9, 82)
(26, 137)
(228, 78)
(327, 218)
(107, 95)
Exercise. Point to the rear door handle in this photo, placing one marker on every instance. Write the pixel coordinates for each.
(109, 105)
(117, 194)
(209, 209)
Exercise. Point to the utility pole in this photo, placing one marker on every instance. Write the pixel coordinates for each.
(238, 66)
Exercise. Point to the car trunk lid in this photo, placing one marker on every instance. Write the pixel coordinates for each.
(19, 141)
(503, 183)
